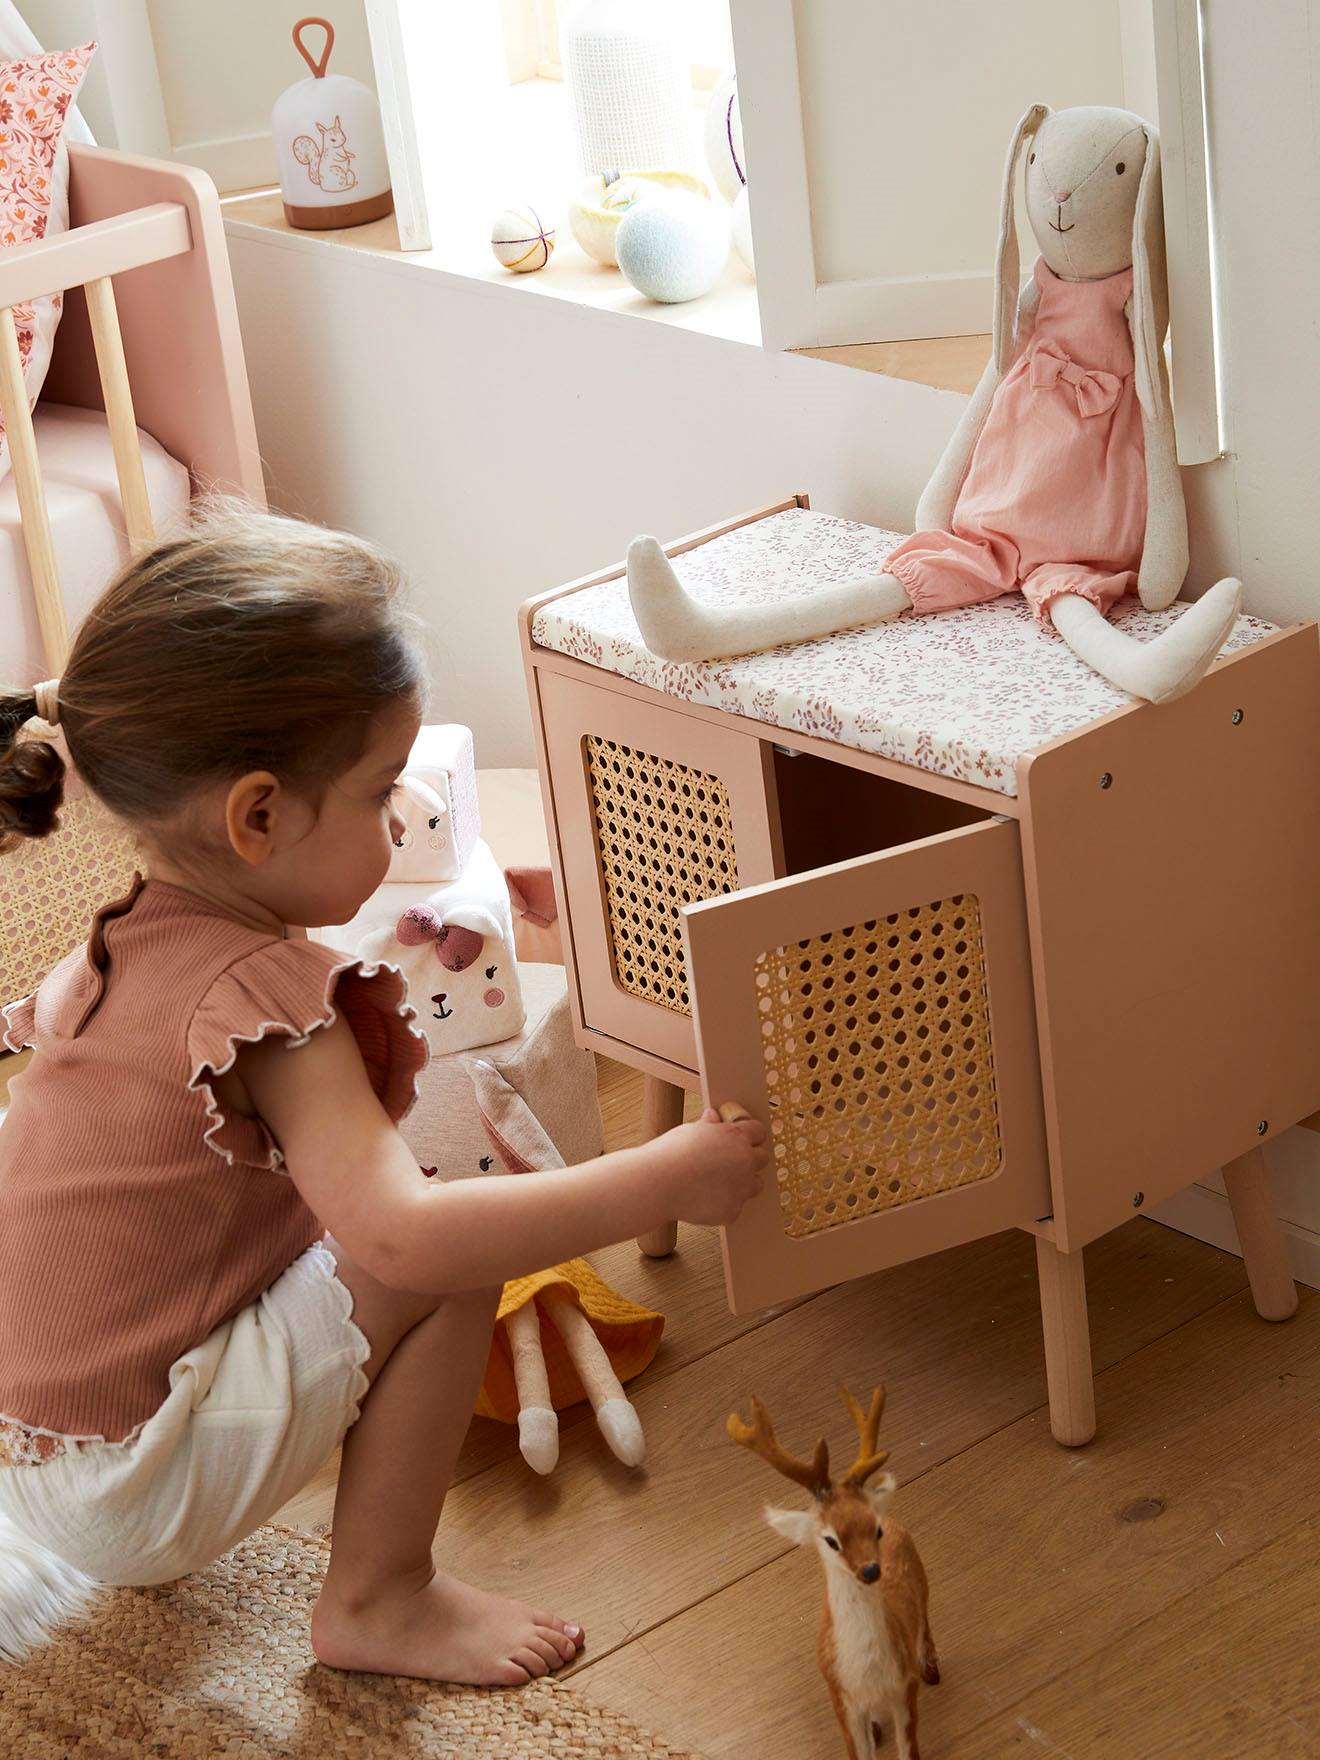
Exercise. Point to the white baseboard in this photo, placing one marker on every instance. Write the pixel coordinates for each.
(1206, 1215)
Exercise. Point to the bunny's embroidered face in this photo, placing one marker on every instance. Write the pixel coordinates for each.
(1083, 173)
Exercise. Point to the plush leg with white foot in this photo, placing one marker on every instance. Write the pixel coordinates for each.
(1159, 670)
(675, 627)
(538, 1423)
(618, 1421)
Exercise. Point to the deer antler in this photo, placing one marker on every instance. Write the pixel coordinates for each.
(869, 1457)
(760, 1438)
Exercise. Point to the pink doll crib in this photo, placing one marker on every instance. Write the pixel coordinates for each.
(145, 404)
(984, 944)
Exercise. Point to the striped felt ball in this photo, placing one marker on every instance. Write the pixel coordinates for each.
(522, 240)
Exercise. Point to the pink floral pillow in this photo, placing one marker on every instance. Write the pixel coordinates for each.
(36, 95)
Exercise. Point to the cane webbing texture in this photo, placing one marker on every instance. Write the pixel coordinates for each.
(664, 839)
(52, 887)
(879, 1064)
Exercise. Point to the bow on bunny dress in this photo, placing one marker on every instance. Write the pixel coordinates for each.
(1055, 495)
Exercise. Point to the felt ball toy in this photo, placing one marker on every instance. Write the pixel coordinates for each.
(740, 218)
(723, 138)
(521, 240)
(602, 201)
(674, 248)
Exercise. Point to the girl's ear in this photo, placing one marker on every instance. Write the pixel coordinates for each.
(250, 809)
(1149, 291)
(1008, 270)
(796, 1525)
(880, 1490)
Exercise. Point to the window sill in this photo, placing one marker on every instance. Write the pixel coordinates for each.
(730, 311)
(532, 128)
(948, 363)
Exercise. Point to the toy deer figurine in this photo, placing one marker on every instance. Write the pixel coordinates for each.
(875, 1643)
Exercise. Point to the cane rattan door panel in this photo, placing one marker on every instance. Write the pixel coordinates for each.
(877, 1016)
(653, 809)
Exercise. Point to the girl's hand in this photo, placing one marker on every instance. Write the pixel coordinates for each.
(713, 1168)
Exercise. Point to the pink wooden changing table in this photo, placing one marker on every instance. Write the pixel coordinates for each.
(982, 942)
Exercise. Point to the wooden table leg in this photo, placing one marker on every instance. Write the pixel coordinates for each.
(662, 1109)
(1261, 1237)
(1067, 1344)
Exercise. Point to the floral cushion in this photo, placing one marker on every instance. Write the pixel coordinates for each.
(36, 97)
(963, 693)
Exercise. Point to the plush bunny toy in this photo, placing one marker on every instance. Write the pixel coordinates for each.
(1061, 480)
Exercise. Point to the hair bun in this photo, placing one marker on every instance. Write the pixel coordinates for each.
(31, 778)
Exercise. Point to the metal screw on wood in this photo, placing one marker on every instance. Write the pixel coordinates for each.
(1138, 1199)
(1262, 1127)
(1237, 717)
(1105, 780)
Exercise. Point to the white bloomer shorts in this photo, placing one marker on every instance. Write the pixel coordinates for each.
(252, 1412)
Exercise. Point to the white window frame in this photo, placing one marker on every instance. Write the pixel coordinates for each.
(801, 310)
(1188, 231)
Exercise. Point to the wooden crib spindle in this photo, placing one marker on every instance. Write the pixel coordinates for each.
(37, 539)
(124, 438)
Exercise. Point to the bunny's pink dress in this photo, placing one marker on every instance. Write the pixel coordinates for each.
(1055, 495)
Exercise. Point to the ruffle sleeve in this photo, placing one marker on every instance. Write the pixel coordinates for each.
(289, 989)
(20, 1023)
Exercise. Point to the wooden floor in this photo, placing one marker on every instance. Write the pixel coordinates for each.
(1153, 1595)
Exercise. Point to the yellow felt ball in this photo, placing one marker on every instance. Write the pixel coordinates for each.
(522, 240)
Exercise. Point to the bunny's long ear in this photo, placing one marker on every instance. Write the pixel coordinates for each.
(1150, 298)
(1007, 267)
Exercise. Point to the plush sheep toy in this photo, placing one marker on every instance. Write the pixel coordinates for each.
(456, 950)
(1061, 480)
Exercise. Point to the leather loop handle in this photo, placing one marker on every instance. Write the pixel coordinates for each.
(318, 67)
(732, 1113)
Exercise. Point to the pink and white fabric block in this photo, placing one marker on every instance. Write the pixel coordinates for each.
(455, 949)
(439, 805)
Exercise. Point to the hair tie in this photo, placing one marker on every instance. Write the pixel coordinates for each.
(47, 695)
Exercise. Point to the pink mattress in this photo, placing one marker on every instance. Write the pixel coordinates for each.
(82, 495)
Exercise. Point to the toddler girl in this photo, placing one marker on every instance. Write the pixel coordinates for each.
(218, 1258)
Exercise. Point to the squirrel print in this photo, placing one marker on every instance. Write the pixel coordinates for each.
(330, 165)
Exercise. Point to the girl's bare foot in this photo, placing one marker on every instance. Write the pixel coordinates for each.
(441, 1630)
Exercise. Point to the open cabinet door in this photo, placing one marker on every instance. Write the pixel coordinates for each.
(875, 140)
(877, 1016)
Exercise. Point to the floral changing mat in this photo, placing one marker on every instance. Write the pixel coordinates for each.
(963, 693)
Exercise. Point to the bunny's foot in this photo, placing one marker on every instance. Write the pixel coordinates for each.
(676, 627)
(1160, 670)
(538, 1438)
(622, 1429)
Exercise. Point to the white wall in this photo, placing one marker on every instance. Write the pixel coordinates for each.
(1256, 512)
(929, 196)
(501, 443)
(222, 66)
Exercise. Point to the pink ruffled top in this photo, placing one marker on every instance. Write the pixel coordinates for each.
(135, 1216)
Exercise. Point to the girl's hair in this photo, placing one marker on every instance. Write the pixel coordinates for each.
(252, 642)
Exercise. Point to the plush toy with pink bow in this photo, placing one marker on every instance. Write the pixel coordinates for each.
(456, 950)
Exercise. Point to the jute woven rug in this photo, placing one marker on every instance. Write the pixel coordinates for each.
(218, 1667)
